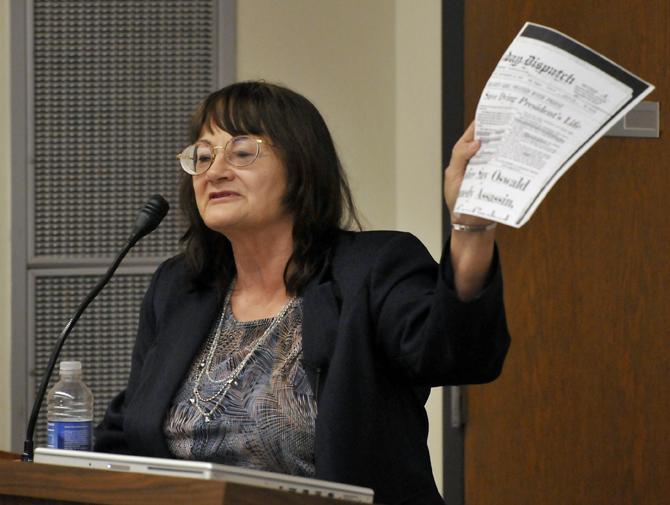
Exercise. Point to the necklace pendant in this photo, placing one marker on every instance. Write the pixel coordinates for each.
(202, 364)
(191, 401)
(206, 418)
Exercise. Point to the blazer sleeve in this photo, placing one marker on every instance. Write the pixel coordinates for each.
(427, 333)
(109, 434)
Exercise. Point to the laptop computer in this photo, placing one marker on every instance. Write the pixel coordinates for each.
(202, 470)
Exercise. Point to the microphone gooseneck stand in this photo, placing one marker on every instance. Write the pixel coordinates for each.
(148, 220)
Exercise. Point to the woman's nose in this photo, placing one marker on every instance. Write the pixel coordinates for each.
(220, 169)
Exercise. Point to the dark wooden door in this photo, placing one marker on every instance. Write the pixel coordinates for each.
(581, 414)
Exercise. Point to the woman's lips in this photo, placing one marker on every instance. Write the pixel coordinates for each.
(222, 194)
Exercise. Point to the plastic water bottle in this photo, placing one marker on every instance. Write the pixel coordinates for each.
(70, 411)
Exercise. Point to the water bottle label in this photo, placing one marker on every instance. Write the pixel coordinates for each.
(73, 435)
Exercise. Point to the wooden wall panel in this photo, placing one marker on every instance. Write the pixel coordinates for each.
(580, 414)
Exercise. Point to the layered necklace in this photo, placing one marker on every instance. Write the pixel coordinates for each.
(205, 365)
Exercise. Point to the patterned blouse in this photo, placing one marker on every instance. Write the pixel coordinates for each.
(264, 419)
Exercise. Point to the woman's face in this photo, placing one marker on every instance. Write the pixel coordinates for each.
(245, 199)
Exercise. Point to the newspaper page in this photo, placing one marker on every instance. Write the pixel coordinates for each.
(548, 100)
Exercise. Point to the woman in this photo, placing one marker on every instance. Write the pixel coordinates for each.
(281, 342)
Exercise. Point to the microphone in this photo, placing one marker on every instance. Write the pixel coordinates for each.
(147, 221)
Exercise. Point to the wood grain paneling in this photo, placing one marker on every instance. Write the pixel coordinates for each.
(580, 414)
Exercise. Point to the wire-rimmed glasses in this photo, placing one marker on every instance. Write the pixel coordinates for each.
(239, 151)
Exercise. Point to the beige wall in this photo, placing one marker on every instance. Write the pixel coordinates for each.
(5, 217)
(418, 121)
(373, 69)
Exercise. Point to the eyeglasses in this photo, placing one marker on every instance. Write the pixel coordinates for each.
(238, 151)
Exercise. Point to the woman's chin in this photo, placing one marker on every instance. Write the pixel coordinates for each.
(221, 224)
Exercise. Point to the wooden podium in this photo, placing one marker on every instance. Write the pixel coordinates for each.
(25, 483)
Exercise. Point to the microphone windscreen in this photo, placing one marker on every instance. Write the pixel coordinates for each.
(150, 217)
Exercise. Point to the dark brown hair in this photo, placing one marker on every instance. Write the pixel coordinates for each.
(317, 192)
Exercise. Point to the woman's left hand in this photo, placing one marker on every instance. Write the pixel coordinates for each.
(471, 251)
(463, 150)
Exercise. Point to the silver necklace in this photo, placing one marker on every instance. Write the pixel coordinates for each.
(204, 367)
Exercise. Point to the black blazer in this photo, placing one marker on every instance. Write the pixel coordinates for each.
(381, 324)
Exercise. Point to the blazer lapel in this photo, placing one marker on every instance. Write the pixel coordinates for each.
(320, 316)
